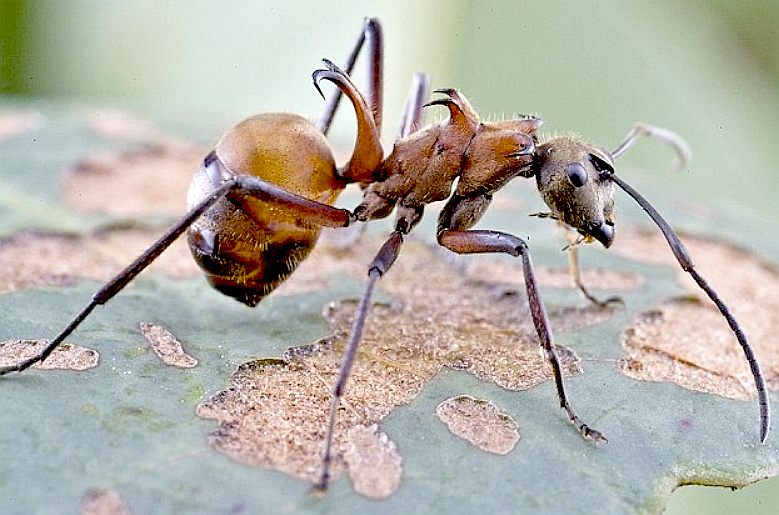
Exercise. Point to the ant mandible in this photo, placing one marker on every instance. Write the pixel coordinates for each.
(262, 196)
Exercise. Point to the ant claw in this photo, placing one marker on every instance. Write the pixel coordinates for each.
(586, 431)
(594, 436)
(319, 489)
(615, 301)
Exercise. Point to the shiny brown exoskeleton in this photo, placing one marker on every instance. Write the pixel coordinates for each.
(247, 249)
(260, 199)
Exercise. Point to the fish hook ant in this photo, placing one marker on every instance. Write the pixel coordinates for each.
(259, 200)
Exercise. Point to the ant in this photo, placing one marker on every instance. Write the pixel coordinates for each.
(261, 198)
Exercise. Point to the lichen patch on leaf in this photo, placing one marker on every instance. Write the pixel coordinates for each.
(373, 461)
(687, 341)
(274, 413)
(153, 179)
(65, 357)
(103, 501)
(480, 422)
(166, 346)
(28, 260)
(15, 123)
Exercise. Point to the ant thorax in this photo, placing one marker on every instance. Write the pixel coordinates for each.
(422, 168)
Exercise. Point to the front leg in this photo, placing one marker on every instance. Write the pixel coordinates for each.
(574, 269)
(473, 241)
(461, 213)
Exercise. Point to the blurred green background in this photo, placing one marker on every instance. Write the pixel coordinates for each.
(706, 69)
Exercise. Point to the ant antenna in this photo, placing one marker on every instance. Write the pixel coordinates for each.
(676, 142)
(684, 258)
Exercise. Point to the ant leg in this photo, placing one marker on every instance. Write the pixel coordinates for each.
(310, 212)
(315, 212)
(687, 264)
(368, 154)
(378, 267)
(417, 97)
(574, 269)
(481, 241)
(116, 284)
(371, 33)
(668, 137)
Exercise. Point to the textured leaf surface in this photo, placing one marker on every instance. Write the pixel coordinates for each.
(127, 430)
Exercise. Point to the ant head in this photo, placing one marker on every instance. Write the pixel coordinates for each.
(574, 179)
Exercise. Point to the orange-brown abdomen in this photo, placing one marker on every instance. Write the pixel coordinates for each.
(246, 252)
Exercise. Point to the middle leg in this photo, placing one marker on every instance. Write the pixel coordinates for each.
(407, 218)
(415, 102)
(480, 241)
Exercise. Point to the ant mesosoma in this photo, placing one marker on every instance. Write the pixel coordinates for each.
(262, 196)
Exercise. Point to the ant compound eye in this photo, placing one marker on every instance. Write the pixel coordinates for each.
(576, 174)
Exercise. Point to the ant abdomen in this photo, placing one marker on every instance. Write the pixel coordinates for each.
(247, 246)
